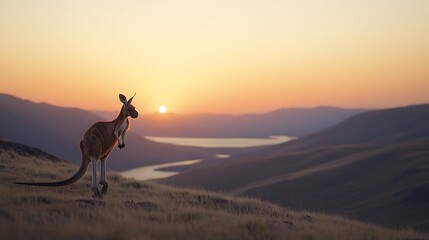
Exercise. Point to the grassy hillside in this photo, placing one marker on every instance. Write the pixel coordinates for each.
(136, 210)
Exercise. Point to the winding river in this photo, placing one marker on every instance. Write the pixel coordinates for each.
(156, 172)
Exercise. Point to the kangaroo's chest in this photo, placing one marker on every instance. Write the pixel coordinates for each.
(122, 127)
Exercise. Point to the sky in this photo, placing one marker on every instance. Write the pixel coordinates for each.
(198, 56)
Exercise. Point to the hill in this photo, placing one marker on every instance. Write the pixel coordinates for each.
(144, 210)
(371, 167)
(382, 184)
(387, 126)
(294, 122)
(59, 130)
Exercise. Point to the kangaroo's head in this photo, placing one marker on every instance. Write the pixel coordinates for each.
(128, 110)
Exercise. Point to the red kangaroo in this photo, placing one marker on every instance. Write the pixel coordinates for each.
(97, 143)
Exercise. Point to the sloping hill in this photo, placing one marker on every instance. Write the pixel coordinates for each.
(136, 210)
(375, 127)
(295, 122)
(232, 175)
(386, 185)
(24, 150)
(59, 130)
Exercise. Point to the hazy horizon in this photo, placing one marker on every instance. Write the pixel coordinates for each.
(213, 113)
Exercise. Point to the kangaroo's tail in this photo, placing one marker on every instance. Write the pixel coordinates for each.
(72, 179)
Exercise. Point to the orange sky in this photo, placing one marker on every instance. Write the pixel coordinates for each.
(220, 56)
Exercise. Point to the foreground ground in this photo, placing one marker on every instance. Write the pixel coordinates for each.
(136, 210)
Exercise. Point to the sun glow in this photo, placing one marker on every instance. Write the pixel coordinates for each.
(162, 109)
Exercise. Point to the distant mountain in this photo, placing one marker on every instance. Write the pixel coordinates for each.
(372, 166)
(386, 126)
(58, 130)
(393, 125)
(295, 122)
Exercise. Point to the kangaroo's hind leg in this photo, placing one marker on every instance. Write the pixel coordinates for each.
(103, 177)
(103, 174)
(94, 187)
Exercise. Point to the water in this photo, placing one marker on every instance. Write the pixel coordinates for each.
(153, 172)
(222, 142)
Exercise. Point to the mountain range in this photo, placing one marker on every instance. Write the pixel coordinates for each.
(295, 122)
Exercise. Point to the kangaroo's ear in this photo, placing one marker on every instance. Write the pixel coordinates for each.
(131, 99)
(122, 98)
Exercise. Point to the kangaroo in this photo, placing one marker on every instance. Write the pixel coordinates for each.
(97, 143)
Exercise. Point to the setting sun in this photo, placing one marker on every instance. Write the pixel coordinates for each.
(162, 109)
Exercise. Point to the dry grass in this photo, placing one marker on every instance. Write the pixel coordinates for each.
(143, 210)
